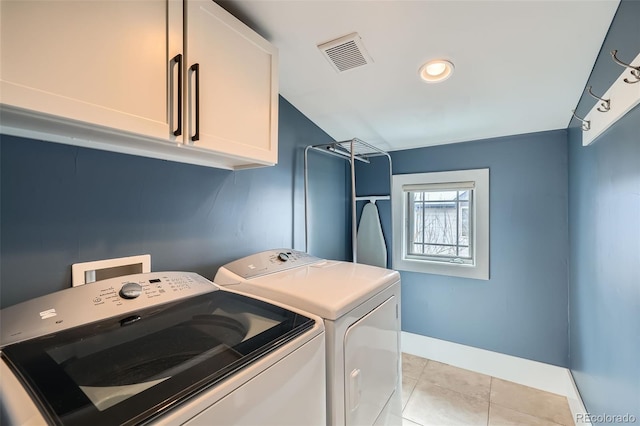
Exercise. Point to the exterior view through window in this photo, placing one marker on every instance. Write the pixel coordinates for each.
(440, 225)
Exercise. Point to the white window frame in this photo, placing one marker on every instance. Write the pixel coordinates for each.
(401, 184)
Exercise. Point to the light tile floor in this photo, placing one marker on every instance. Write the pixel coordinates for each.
(439, 394)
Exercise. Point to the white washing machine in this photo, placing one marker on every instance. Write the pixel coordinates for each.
(360, 305)
(166, 348)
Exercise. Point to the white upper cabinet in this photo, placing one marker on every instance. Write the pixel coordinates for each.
(103, 63)
(117, 75)
(236, 85)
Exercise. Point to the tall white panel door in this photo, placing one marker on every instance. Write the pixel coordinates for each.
(102, 62)
(371, 351)
(232, 85)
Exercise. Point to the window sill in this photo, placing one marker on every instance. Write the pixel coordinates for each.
(443, 268)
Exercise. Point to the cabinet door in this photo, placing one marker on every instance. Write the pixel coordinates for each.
(237, 82)
(102, 62)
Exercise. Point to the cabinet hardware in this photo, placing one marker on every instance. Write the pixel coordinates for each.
(196, 70)
(178, 59)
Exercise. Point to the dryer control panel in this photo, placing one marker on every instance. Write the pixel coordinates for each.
(269, 262)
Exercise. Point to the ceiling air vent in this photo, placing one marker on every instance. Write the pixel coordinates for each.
(346, 52)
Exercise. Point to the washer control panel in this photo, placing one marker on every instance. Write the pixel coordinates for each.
(96, 301)
(151, 288)
(269, 262)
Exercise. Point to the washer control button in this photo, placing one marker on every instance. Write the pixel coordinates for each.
(131, 290)
(283, 256)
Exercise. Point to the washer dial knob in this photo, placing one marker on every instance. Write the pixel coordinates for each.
(283, 256)
(131, 290)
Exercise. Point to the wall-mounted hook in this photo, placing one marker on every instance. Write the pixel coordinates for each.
(606, 103)
(586, 124)
(635, 71)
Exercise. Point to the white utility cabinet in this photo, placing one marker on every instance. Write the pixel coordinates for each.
(115, 75)
(103, 63)
(238, 84)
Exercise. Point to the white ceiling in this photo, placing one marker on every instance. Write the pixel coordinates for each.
(520, 66)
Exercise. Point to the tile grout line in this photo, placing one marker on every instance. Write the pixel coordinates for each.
(408, 398)
(417, 379)
(489, 409)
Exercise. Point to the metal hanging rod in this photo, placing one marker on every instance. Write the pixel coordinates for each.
(337, 152)
(374, 198)
(359, 149)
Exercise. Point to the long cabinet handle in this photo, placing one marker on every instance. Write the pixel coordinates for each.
(196, 70)
(178, 59)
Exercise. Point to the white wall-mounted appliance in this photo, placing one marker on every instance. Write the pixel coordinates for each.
(360, 305)
(160, 348)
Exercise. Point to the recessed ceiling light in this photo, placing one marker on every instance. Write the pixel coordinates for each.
(436, 71)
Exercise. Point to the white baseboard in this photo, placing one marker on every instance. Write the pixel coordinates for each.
(534, 374)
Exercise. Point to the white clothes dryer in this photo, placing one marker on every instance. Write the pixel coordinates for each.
(360, 305)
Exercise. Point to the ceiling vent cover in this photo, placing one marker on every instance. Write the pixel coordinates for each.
(346, 53)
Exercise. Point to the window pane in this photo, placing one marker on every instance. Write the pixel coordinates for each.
(440, 223)
(417, 222)
(441, 195)
(417, 234)
(463, 223)
(440, 250)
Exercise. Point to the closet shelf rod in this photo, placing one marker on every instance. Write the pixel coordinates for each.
(327, 149)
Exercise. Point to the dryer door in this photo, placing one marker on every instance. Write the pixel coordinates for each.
(371, 351)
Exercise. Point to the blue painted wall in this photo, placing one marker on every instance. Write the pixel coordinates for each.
(329, 227)
(62, 204)
(522, 309)
(604, 217)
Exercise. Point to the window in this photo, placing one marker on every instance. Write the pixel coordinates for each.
(441, 223)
